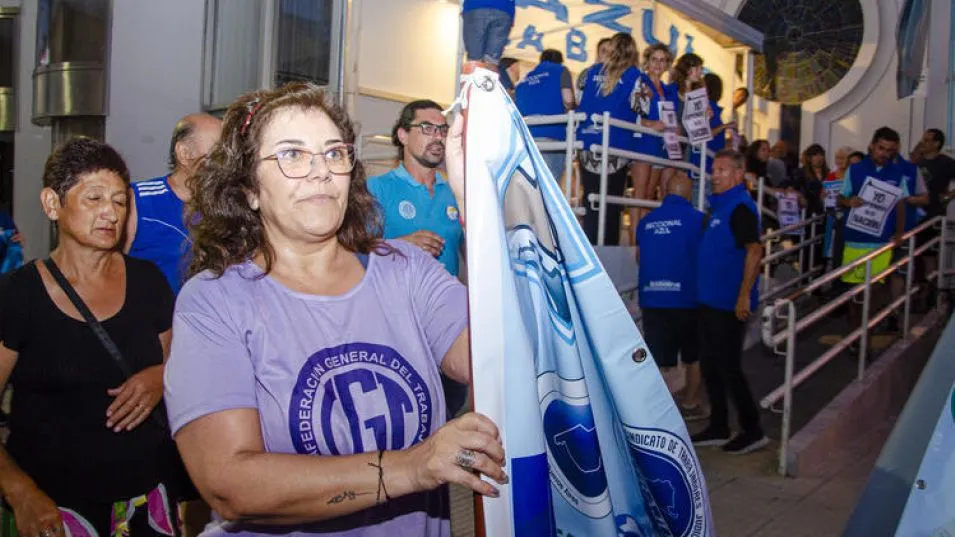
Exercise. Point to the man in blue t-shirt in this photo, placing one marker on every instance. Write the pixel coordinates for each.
(668, 239)
(545, 91)
(417, 203)
(727, 273)
(487, 24)
(156, 229)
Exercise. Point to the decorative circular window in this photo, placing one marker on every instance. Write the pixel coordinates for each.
(809, 45)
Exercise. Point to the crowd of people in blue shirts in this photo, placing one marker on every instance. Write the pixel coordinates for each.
(698, 274)
(632, 87)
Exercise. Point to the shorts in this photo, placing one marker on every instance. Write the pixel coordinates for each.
(857, 275)
(671, 333)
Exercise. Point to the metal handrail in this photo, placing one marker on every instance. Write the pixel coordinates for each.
(836, 273)
(787, 230)
(594, 197)
(553, 119)
(821, 312)
(642, 157)
(568, 145)
(604, 151)
(861, 334)
(638, 128)
(796, 247)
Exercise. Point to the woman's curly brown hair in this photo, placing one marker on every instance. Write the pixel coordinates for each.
(225, 230)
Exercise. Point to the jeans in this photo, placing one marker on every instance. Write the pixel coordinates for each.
(485, 34)
(555, 161)
(721, 350)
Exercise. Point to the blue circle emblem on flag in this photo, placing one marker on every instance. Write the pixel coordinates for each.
(577, 471)
(671, 472)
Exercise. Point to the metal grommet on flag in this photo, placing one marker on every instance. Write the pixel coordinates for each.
(639, 355)
(487, 84)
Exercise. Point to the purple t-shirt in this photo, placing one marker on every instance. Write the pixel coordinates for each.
(329, 375)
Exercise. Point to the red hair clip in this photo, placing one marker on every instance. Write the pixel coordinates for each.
(253, 106)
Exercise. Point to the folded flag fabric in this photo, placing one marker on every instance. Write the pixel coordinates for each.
(595, 443)
(911, 39)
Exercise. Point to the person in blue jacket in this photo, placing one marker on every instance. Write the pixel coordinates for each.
(727, 276)
(487, 24)
(880, 167)
(668, 240)
(652, 93)
(610, 87)
(545, 91)
(156, 227)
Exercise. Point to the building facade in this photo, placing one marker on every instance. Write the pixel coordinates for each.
(125, 70)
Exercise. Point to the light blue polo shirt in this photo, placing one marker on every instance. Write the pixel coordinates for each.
(408, 207)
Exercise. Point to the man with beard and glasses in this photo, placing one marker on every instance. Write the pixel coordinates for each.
(417, 204)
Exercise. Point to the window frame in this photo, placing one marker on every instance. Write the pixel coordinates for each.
(268, 48)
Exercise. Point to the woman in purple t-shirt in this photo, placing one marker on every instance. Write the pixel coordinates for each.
(303, 384)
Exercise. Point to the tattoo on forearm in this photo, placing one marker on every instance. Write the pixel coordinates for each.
(348, 495)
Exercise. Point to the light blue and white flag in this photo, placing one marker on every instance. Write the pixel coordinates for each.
(911, 43)
(595, 445)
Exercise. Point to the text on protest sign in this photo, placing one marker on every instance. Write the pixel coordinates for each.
(879, 198)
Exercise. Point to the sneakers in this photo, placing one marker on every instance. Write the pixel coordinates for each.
(694, 413)
(709, 437)
(744, 443)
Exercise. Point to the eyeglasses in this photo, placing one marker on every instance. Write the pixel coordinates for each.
(299, 163)
(430, 129)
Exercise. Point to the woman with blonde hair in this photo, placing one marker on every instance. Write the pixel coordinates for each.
(610, 87)
(650, 98)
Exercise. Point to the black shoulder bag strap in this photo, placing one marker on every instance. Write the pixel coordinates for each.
(95, 325)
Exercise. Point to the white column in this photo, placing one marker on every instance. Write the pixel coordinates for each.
(750, 85)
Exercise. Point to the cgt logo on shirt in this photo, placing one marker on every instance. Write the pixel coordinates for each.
(358, 397)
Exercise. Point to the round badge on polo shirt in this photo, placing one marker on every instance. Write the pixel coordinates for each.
(452, 213)
(407, 210)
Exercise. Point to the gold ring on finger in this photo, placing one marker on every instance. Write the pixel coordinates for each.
(465, 459)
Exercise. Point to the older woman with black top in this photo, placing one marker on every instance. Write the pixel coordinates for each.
(88, 454)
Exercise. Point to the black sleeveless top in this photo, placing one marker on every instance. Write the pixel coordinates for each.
(58, 431)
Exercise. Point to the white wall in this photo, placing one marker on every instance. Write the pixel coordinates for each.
(31, 144)
(938, 108)
(866, 98)
(154, 79)
(409, 48)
